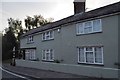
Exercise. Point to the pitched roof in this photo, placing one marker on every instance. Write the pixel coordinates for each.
(109, 9)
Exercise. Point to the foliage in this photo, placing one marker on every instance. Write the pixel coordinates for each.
(15, 25)
(117, 64)
(36, 21)
(58, 61)
(11, 38)
(8, 42)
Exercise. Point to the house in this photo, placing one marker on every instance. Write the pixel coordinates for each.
(86, 43)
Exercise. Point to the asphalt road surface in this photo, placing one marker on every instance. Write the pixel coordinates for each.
(7, 75)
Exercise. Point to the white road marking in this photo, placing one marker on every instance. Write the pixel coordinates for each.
(14, 74)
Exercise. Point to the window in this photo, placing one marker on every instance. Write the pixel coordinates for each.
(30, 54)
(43, 55)
(43, 36)
(89, 27)
(30, 39)
(97, 25)
(48, 35)
(98, 55)
(90, 55)
(48, 55)
(80, 28)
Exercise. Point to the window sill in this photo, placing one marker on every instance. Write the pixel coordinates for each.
(32, 59)
(88, 33)
(95, 64)
(47, 40)
(48, 61)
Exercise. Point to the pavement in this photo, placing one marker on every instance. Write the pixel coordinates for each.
(34, 74)
(39, 73)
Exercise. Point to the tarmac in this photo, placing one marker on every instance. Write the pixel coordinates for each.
(39, 73)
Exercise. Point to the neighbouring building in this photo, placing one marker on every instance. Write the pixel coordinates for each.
(86, 43)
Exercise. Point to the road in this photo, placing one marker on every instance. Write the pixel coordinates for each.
(7, 75)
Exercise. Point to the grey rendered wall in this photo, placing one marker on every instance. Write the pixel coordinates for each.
(108, 38)
(37, 41)
(65, 43)
(110, 41)
(65, 47)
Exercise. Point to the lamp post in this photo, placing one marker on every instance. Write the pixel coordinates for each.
(13, 59)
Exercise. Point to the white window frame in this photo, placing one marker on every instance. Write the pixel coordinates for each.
(43, 54)
(48, 36)
(47, 51)
(83, 24)
(87, 27)
(93, 48)
(85, 53)
(27, 54)
(78, 28)
(30, 39)
(30, 54)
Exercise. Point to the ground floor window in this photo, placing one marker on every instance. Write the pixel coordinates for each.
(48, 55)
(90, 55)
(30, 54)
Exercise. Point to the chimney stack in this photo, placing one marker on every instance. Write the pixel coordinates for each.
(79, 6)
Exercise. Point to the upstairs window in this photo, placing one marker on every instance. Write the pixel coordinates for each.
(48, 35)
(97, 27)
(80, 28)
(89, 27)
(30, 39)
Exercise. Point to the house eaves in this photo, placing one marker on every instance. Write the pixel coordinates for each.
(106, 10)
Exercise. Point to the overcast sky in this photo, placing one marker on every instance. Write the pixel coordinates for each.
(56, 9)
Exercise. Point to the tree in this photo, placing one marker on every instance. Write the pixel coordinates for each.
(8, 42)
(28, 22)
(15, 25)
(36, 21)
(11, 37)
